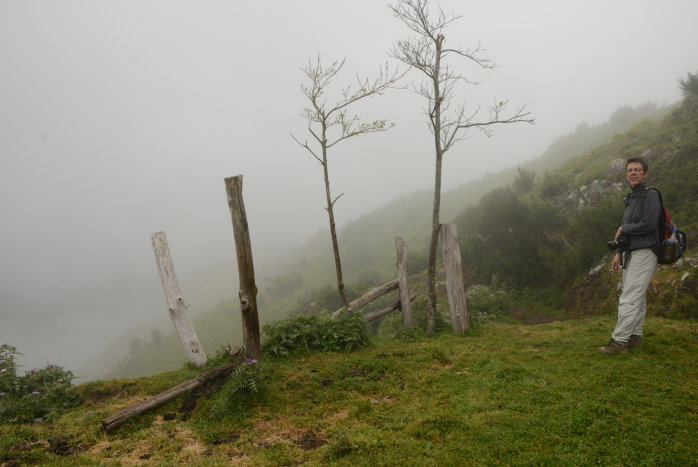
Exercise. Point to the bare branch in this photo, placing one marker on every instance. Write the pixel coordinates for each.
(305, 145)
(495, 117)
(335, 200)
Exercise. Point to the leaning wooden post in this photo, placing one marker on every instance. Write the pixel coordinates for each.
(175, 302)
(454, 278)
(248, 289)
(401, 264)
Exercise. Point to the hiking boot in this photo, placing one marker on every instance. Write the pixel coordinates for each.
(634, 341)
(613, 348)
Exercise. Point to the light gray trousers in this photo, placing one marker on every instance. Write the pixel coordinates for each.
(632, 305)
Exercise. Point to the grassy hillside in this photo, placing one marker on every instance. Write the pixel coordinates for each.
(505, 394)
(551, 236)
(368, 251)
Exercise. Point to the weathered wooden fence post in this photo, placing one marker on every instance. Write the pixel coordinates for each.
(248, 289)
(401, 264)
(454, 278)
(175, 302)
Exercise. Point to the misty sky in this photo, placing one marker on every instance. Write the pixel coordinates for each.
(121, 119)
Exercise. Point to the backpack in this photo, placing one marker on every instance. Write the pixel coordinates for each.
(671, 245)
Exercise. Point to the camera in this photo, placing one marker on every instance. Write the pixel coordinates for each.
(619, 244)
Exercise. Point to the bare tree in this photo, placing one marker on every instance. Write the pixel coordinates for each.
(427, 53)
(329, 124)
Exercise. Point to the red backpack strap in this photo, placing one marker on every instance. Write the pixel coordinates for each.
(668, 223)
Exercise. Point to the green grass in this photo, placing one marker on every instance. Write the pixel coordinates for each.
(505, 394)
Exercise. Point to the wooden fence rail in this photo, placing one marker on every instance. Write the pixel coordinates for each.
(372, 295)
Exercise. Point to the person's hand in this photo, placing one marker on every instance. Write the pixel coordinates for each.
(615, 265)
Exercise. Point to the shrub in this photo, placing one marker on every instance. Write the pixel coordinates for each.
(689, 86)
(486, 304)
(347, 332)
(39, 393)
(247, 379)
(406, 335)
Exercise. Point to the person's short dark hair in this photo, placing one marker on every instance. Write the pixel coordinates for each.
(645, 167)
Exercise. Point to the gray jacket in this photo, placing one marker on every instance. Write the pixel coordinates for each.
(641, 217)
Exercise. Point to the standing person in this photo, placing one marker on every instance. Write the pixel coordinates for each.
(636, 238)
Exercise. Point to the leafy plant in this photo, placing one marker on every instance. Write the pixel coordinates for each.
(346, 332)
(39, 393)
(247, 379)
(408, 334)
(689, 86)
(486, 304)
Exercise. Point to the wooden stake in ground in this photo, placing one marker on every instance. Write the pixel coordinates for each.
(175, 302)
(248, 289)
(401, 264)
(454, 278)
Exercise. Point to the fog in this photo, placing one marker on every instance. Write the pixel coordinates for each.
(121, 119)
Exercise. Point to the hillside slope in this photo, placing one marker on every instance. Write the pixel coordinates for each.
(367, 244)
(506, 394)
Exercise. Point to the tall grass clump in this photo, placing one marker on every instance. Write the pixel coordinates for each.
(38, 394)
(323, 332)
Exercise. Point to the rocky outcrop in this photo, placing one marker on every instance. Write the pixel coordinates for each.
(616, 170)
(588, 195)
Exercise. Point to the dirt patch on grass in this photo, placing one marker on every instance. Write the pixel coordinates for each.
(63, 446)
(310, 440)
(271, 433)
(104, 393)
(180, 440)
(339, 415)
(207, 390)
(541, 319)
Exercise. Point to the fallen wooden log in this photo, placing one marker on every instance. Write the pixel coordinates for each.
(395, 306)
(114, 421)
(372, 295)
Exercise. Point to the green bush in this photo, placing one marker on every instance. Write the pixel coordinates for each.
(689, 86)
(347, 332)
(39, 393)
(486, 304)
(247, 379)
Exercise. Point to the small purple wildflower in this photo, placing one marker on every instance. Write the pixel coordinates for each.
(2, 394)
(2, 361)
(36, 393)
(3, 370)
(350, 308)
(32, 370)
(250, 360)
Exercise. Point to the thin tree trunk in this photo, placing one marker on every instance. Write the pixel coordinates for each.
(435, 222)
(248, 288)
(333, 228)
(401, 264)
(175, 301)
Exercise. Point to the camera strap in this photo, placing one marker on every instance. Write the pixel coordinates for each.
(625, 259)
